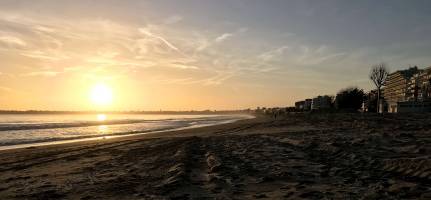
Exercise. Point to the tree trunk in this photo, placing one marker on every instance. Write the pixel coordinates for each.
(378, 100)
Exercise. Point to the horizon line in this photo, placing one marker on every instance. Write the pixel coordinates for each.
(129, 111)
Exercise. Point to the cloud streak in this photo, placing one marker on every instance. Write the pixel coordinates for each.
(78, 44)
(5, 89)
(12, 41)
(223, 37)
(166, 42)
(226, 36)
(42, 73)
(269, 55)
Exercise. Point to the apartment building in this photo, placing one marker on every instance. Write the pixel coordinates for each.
(397, 88)
(419, 87)
(409, 90)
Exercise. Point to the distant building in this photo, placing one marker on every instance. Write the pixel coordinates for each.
(419, 87)
(307, 104)
(409, 90)
(304, 105)
(396, 88)
(299, 105)
(321, 102)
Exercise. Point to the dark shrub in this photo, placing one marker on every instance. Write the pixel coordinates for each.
(349, 99)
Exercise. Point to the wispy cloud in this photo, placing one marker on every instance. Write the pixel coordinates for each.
(44, 29)
(218, 79)
(226, 36)
(93, 43)
(182, 66)
(315, 56)
(174, 80)
(42, 73)
(13, 41)
(269, 55)
(301, 55)
(5, 89)
(53, 56)
(223, 37)
(165, 41)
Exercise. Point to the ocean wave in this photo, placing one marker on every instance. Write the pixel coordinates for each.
(52, 125)
(36, 133)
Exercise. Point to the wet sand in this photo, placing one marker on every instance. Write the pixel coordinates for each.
(333, 156)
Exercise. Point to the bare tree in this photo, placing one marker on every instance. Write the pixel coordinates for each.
(378, 75)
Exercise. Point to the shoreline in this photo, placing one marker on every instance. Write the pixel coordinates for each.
(113, 136)
(301, 156)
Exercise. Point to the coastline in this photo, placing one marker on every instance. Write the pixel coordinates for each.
(296, 156)
(110, 136)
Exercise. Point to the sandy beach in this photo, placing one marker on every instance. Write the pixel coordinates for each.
(299, 156)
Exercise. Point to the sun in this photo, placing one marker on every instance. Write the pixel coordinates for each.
(101, 95)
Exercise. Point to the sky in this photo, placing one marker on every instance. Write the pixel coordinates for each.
(201, 54)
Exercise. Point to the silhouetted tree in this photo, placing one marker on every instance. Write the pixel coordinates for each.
(349, 99)
(378, 75)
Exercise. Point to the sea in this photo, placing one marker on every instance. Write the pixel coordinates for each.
(28, 130)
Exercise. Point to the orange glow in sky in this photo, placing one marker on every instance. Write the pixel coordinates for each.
(197, 55)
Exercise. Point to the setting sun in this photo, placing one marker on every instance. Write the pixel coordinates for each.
(101, 95)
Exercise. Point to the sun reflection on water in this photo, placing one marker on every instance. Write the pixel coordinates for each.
(102, 128)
